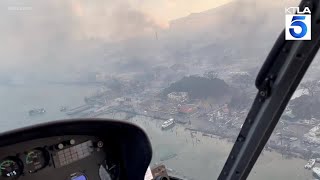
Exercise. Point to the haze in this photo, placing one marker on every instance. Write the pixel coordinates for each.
(63, 39)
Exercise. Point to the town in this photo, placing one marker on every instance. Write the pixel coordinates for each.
(214, 103)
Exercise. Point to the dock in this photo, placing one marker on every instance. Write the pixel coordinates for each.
(131, 112)
(78, 109)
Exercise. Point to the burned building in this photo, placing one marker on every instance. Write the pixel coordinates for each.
(187, 109)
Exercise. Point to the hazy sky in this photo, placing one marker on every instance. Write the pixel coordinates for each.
(161, 9)
(47, 36)
(142, 13)
(104, 17)
(38, 31)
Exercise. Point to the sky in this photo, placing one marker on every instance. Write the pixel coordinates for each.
(103, 18)
(51, 35)
(45, 33)
(126, 14)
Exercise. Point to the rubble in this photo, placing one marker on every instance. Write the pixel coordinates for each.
(313, 136)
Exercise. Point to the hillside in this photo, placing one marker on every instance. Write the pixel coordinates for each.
(239, 29)
(199, 87)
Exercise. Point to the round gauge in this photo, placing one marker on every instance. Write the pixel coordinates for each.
(36, 159)
(11, 167)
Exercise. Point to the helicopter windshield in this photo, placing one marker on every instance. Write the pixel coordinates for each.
(183, 70)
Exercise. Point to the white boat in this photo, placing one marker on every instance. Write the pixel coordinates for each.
(310, 164)
(37, 111)
(167, 124)
(316, 172)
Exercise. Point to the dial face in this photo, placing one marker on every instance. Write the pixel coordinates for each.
(36, 159)
(10, 167)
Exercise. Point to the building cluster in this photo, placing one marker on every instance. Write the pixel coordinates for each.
(181, 97)
(313, 136)
(124, 92)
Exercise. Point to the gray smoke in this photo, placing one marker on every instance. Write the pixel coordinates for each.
(54, 37)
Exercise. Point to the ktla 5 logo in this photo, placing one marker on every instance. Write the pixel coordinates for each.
(298, 25)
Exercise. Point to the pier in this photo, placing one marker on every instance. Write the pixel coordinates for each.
(78, 109)
(130, 111)
(112, 110)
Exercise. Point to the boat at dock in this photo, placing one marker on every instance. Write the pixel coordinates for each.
(168, 124)
(39, 111)
(310, 164)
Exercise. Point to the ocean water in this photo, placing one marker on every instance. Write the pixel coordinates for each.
(200, 158)
(16, 101)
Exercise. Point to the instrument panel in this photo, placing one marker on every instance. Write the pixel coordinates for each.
(70, 157)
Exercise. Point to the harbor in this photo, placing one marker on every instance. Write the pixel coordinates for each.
(177, 147)
(207, 114)
(208, 153)
(130, 110)
(292, 140)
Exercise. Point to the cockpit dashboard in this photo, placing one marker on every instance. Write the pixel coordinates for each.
(75, 150)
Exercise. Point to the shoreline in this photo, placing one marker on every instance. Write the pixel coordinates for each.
(191, 143)
(230, 138)
(209, 129)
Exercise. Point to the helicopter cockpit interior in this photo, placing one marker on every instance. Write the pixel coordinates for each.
(104, 149)
(75, 150)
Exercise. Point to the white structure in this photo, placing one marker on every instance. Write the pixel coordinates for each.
(239, 73)
(123, 100)
(179, 96)
(310, 164)
(168, 123)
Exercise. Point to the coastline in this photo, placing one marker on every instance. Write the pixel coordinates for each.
(202, 156)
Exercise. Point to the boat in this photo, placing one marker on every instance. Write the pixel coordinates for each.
(168, 124)
(37, 111)
(310, 164)
(63, 108)
(316, 172)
